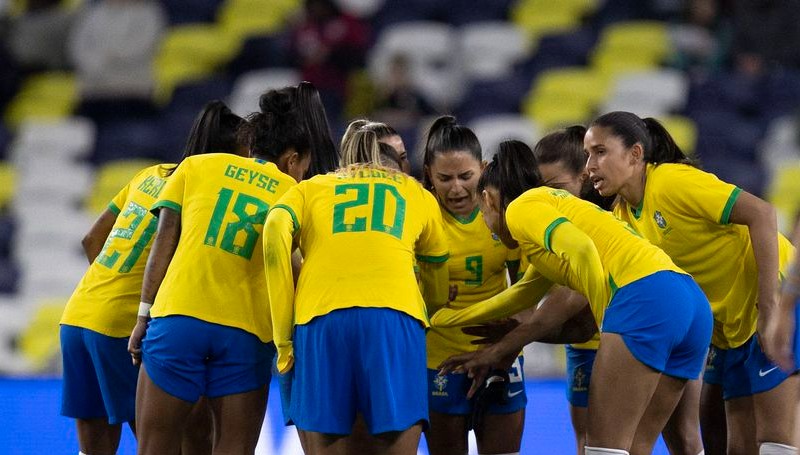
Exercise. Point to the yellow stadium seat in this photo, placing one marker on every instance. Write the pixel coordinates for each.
(641, 37)
(575, 8)
(111, 178)
(784, 194)
(536, 24)
(683, 130)
(44, 97)
(8, 179)
(191, 52)
(565, 96)
(39, 343)
(237, 17)
(616, 61)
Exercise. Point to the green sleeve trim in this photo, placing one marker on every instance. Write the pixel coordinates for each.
(548, 233)
(295, 223)
(726, 212)
(510, 263)
(612, 285)
(165, 204)
(433, 259)
(112, 207)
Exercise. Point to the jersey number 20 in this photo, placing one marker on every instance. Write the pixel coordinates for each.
(379, 193)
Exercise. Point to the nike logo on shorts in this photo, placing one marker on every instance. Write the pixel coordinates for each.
(512, 395)
(762, 373)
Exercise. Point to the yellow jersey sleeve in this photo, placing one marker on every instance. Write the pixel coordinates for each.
(172, 195)
(524, 294)
(694, 193)
(279, 230)
(432, 244)
(118, 202)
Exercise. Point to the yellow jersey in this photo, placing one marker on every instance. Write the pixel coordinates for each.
(358, 230)
(217, 272)
(686, 212)
(577, 244)
(106, 299)
(477, 267)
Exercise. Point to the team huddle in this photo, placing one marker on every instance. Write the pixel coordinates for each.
(387, 307)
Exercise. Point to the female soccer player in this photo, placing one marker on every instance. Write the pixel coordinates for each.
(562, 163)
(728, 240)
(354, 330)
(479, 268)
(210, 332)
(99, 387)
(654, 319)
(386, 135)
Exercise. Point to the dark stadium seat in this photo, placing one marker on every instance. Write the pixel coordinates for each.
(182, 12)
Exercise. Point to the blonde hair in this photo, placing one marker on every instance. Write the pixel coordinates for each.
(360, 144)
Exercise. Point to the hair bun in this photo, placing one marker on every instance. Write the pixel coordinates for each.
(276, 102)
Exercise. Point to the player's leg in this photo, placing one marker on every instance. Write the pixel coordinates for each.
(619, 394)
(775, 412)
(238, 419)
(658, 413)
(714, 428)
(740, 416)
(198, 436)
(160, 417)
(579, 377)
(682, 432)
(447, 433)
(500, 429)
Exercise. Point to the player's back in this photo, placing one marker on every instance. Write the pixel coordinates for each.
(107, 297)
(216, 273)
(360, 229)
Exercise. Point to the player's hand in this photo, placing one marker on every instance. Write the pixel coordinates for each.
(453, 293)
(491, 332)
(478, 364)
(776, 334)
(135, 341)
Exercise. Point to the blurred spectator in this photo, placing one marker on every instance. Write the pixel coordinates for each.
(112, 46)
(38, 36)
(766, 34)
(401, 104)
(700, 37)
(326, 44)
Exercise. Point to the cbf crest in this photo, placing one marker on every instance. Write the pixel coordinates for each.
(660, 221)
(440, 382)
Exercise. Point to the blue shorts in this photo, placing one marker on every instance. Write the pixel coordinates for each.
(665, 321)
(99, 377)
(746, 370)
(367, 360)
(448, 393)
(579, 375)
(187, 358)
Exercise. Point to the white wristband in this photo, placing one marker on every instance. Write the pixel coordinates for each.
(144, 309)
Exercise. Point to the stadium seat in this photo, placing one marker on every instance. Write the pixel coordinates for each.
(183, 12)
(53, 142)
(189, 53)
(360, 8)
(249, 86)
(541, 17)
(432, 49)
(683, 131)
(565, 96)
(128, 139)
(46, 96)
(238, 18)
(491, 49)
(781, 143)
(39, 342)
(784, 194)
(652, 93)
(111, 178)
(494, 129)
(8, 179)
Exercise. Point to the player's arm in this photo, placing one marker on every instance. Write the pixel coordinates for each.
(164, 245)
(434, 283)
(762, 223)
(94, 240)
(524, 294)
(279, 229)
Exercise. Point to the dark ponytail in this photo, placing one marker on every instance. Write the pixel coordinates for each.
(445, 135)
(277, 128)
(324, 156)
(513, 171)
(658, 145)
(214, 131)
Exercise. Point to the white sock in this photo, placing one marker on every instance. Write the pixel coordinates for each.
(702, 452)
(604, 451)
(773, 448)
